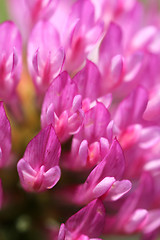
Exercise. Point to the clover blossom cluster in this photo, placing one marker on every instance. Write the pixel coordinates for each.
(95, 70)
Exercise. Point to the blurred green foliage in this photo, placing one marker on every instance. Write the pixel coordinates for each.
(3, 12)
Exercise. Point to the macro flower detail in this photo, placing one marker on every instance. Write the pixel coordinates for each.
(83, 32)
(80, 112)
(103, 181)
(38, 169)
(45, 55)
(62, 107)
(88, 81)
(85, 224)
(31, 12)
(91, 143)
(5, 138)
(10, 61)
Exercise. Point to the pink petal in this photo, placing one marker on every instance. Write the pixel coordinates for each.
(51, 177)
(153, 221)
(131, 109)
(44, 149)
(88, 81)
(111, 44)
(116, 70)
(95, 123)
(103, 186)
(88, 221)
(118, 189)
(60, 93)
(144, 36)
(133, 66)
(46, 62)
(5, 138)
(137, 219)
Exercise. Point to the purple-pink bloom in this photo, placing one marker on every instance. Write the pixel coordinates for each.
(82, 32)
(119, 66)
(39, 168)
(5, 138)
(62, 107)
(86, 224)
(10, 60)
(131, 109)
(88, 81)
(45, 55)
(104, 180)
(92, 142)
(30, 12)
(133, 214)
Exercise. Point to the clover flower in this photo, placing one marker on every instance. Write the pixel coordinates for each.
(80, 120)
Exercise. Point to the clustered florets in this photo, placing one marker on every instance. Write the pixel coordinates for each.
(95, 69)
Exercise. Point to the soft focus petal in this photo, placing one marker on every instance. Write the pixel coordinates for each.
(5, 138)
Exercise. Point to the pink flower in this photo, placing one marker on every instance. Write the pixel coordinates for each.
(130, 110)
(38, 169)
(62, 107)
(119, 67)
(88, 81)
(81, 33)
(113, 10)
(133, 214)
(104, 180)
(31, 12)
(5, 138)
(45, 55)
(10, 60)
(91, 144)
(86, 224)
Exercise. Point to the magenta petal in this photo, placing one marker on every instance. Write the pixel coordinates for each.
(83, 153)
(95, 123)
(27, 175)
(88, 81)
(10, 60)
(62, 232)
(116, 70)
(112, 165)
(137, 219)
(51, 177)
(104, 146)
(46, 62)
(88, 221)
(103, 176)
(60, 93)
(83, 10)
(94, 34)
(153, 221)
(103, 186)
(39, 170)
(44, 149)
(131, 109)
(118, 189)
(111, 44)
(115, 162)
(5, 138)
(133, 66)
(144, 36)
